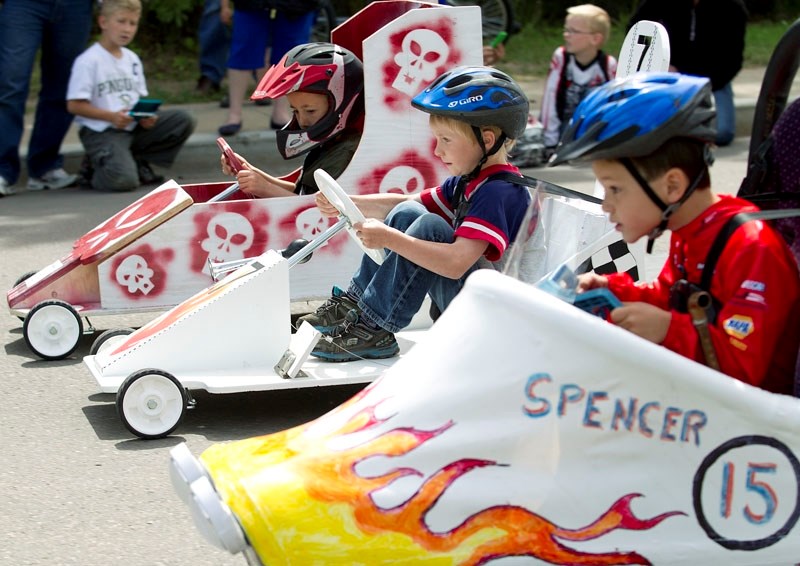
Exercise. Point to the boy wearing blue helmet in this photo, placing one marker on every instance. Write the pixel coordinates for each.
(436, 238)
(648, 137)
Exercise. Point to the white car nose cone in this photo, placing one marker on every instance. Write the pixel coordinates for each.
(214, 519)
(184, 468)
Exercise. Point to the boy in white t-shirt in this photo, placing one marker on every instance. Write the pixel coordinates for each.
(107, 80)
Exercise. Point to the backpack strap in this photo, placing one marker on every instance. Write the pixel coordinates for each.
(561, 87)
(727, 231)
(604, 64)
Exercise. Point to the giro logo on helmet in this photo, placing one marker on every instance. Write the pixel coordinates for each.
(467, 100)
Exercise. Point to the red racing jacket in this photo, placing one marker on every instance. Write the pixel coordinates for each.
(757, 291)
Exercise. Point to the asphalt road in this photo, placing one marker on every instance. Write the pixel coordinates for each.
(77, 488)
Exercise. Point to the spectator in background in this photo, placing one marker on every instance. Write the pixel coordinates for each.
(107, 80)
(214, 37)
(61, 29)
(493, 53)
(257, 25)
(706, 38)
(575, 68)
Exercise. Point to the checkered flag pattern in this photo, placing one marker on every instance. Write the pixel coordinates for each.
(615, 258)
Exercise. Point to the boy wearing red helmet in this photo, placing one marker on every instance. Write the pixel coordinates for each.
(323, 83)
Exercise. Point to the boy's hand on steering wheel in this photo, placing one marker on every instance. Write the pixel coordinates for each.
(325, 206)
(373, 233)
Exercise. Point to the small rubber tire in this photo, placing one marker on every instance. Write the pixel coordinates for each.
(106, 340)
(52, 329)
(151, 403)
(22, 278)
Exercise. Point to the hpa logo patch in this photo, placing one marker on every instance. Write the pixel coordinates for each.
(739, 326)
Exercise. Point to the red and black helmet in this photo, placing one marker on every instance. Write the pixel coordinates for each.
(322, 68)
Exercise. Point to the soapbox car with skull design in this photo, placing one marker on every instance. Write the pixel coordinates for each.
(154, 369)
(156, 252)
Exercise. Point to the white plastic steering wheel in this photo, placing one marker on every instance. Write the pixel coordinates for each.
(347, 209)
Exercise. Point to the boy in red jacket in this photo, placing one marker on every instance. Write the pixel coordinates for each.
(648, 137)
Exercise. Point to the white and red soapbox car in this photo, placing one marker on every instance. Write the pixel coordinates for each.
(153, 370)
(236, 335)
(155, 253)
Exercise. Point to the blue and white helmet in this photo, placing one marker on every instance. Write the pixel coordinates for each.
(479, 96)
(635, 115)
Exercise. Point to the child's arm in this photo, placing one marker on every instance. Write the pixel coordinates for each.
(591, 280)
(758, 287)
(376, 205)
(450, 260)
(254, 181)
(548, 114)
(119, 120)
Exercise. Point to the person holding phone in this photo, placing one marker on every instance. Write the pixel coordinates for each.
(323, 84)
(106, 82)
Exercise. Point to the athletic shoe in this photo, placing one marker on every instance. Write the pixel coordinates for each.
(146, 175)
(332, 312)
(354, 339)
(6, 190)
(52, 180)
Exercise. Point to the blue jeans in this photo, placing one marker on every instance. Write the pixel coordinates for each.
(61, 28)
(215, 40)
(726, 115)
(390, 294)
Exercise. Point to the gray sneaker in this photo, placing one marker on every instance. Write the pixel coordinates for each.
(331, 313)
(356, 340)
(53, 180)
(6, 190)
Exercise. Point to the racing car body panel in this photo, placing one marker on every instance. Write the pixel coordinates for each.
(228, 338)
(484, 447)
(73, 278)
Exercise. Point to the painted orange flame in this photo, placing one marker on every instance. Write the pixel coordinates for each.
(330, 477)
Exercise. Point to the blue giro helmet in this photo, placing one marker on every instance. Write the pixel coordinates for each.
(479, 96)
(635, 115)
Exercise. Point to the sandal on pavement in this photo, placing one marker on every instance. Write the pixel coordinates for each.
(230, 129)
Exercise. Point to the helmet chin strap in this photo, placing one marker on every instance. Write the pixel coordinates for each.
(462, 182)
(666, 210)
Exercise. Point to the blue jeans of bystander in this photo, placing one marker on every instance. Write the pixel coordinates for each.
(215, 40)
(61, 28)
(726, 115)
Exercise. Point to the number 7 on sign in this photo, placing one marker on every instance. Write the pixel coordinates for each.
(646, 48)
